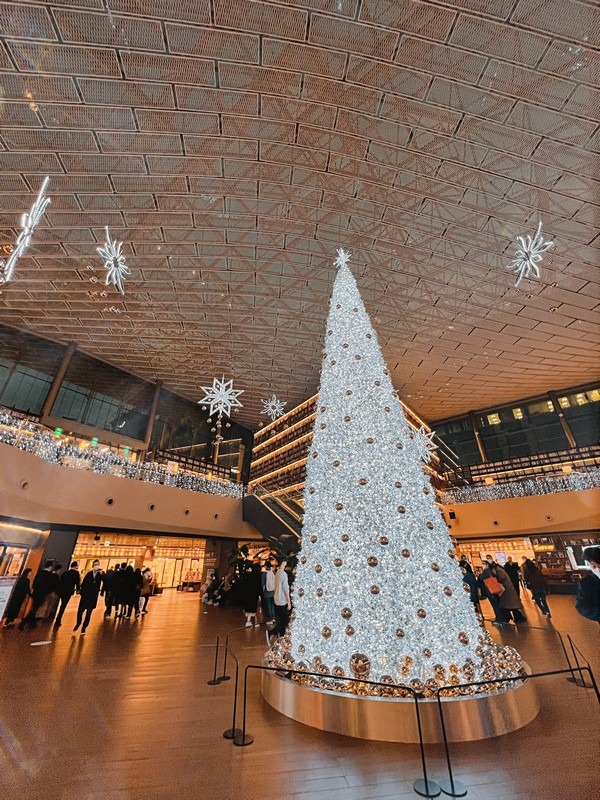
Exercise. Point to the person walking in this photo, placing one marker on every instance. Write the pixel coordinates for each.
(128, 595)
(89, 590)
(137, 584)
(43, 584)
(20, 592)
(471, 581)
(146, 589)
(108, 590)
(513, 571)
(119, 591)
(70, 582)
(588, 591)
(251, 589)
(268, 591)
(536, 583)
(283, 603)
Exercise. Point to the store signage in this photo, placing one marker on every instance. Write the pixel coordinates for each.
(7, 584)
(544, 548)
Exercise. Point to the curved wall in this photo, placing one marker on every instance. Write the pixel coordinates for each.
(32, 489)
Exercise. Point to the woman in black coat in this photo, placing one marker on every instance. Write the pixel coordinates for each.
(251, 591)
(536, 583)
(21, 591)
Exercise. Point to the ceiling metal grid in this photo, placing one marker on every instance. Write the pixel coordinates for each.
(233, 145)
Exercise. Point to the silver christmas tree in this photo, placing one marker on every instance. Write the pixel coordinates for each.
(378, 593)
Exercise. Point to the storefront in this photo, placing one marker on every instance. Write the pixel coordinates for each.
(559, 555)
(20, 546)
(173, 560)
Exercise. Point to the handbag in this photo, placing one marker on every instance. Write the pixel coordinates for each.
(493, 586)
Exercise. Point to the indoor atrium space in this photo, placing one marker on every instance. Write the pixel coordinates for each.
(299, 399)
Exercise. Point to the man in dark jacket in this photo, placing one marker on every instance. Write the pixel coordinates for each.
(588, 591)
(513, 571)
(69, 584)
(88, 592)
(42, 586)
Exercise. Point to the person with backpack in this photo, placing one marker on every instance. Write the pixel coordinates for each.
(268, 591)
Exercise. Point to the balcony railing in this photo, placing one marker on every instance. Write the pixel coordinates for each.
(28, 435)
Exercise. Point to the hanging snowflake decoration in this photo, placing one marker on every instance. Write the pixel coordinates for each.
(528, 255)
(343, 257)
(423, 442)
(29, 223)
(273, 407)
(114, 262)
(221, 396)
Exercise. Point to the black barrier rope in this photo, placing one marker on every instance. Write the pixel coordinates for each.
(424, 786)
(453, 787)
(551, 631)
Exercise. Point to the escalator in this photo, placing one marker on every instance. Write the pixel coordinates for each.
(277, 518)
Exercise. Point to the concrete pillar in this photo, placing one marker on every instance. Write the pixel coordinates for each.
(57, 380)
(152, 415)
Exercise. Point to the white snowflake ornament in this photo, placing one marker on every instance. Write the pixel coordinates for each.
(423, 442)
(114, 262)
(221, 396)
(29, 222)
(273, 407)
(528, 255)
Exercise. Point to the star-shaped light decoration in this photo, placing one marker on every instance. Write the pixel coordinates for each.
(29, 222)
(114, 262)
(528, 255)
(423, 442)
(221, 396)
(343, 257)
(273, 407)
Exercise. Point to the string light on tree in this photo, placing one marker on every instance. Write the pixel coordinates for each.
(29, 223)
(528, 255)
(221, 397)
(114, 262)
(378, 593)
(273, 407)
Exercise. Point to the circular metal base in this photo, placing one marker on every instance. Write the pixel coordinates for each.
(225, 678)
(426, 788)
(231, 733)
(454, 788)
(480, 716)
(214, 682)
(242, 741)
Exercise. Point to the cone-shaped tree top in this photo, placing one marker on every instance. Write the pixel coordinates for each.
(378, 592)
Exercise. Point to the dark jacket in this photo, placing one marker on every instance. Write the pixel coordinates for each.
(588, 597)
(251, 589)
(471, 582)
(90, 588)
(533, 578)
(129, 586)
(22, 589)
(43, 584)
(70, 582)
(513, 571)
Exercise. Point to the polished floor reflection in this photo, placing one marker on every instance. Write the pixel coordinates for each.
(125, 713)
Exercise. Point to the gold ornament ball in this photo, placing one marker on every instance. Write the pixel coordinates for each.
(401, 510)
(362, 482)
(301, 650)
(313, 539)
(300, 592)
(338, 506)
(399, 446)
(325, 632)
(427, 653)
(384, 540)
(319, 592)
(311, 490)
(372, 561)
(337, 562)
(370, 440)
(344, 537)
(435, 567)
(398, 485)
(345, 345)
(349, 630)
(338, 672)
(346, 613)
(336, 463)
(374, 589)
(421, 613)
(360, 665)
(318, 568)
(347, 418)
(463, 638)
(406, 553)
(400, 633)
(429, 526)
(303, 560)
(447, 591)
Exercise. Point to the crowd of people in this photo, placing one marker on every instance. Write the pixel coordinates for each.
(125, 590)
(263, 591)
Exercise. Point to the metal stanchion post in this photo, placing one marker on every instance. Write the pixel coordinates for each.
(242, 739)
(423, 786)
(215, 680)
(449, 786)
(232, 732)
(225, 676)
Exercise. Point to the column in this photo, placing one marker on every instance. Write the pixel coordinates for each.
(478, 438)
(563, 421)
(57, 381)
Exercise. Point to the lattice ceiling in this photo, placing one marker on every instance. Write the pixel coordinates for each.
(232, 145)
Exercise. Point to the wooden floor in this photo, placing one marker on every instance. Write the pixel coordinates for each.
(125, 713)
